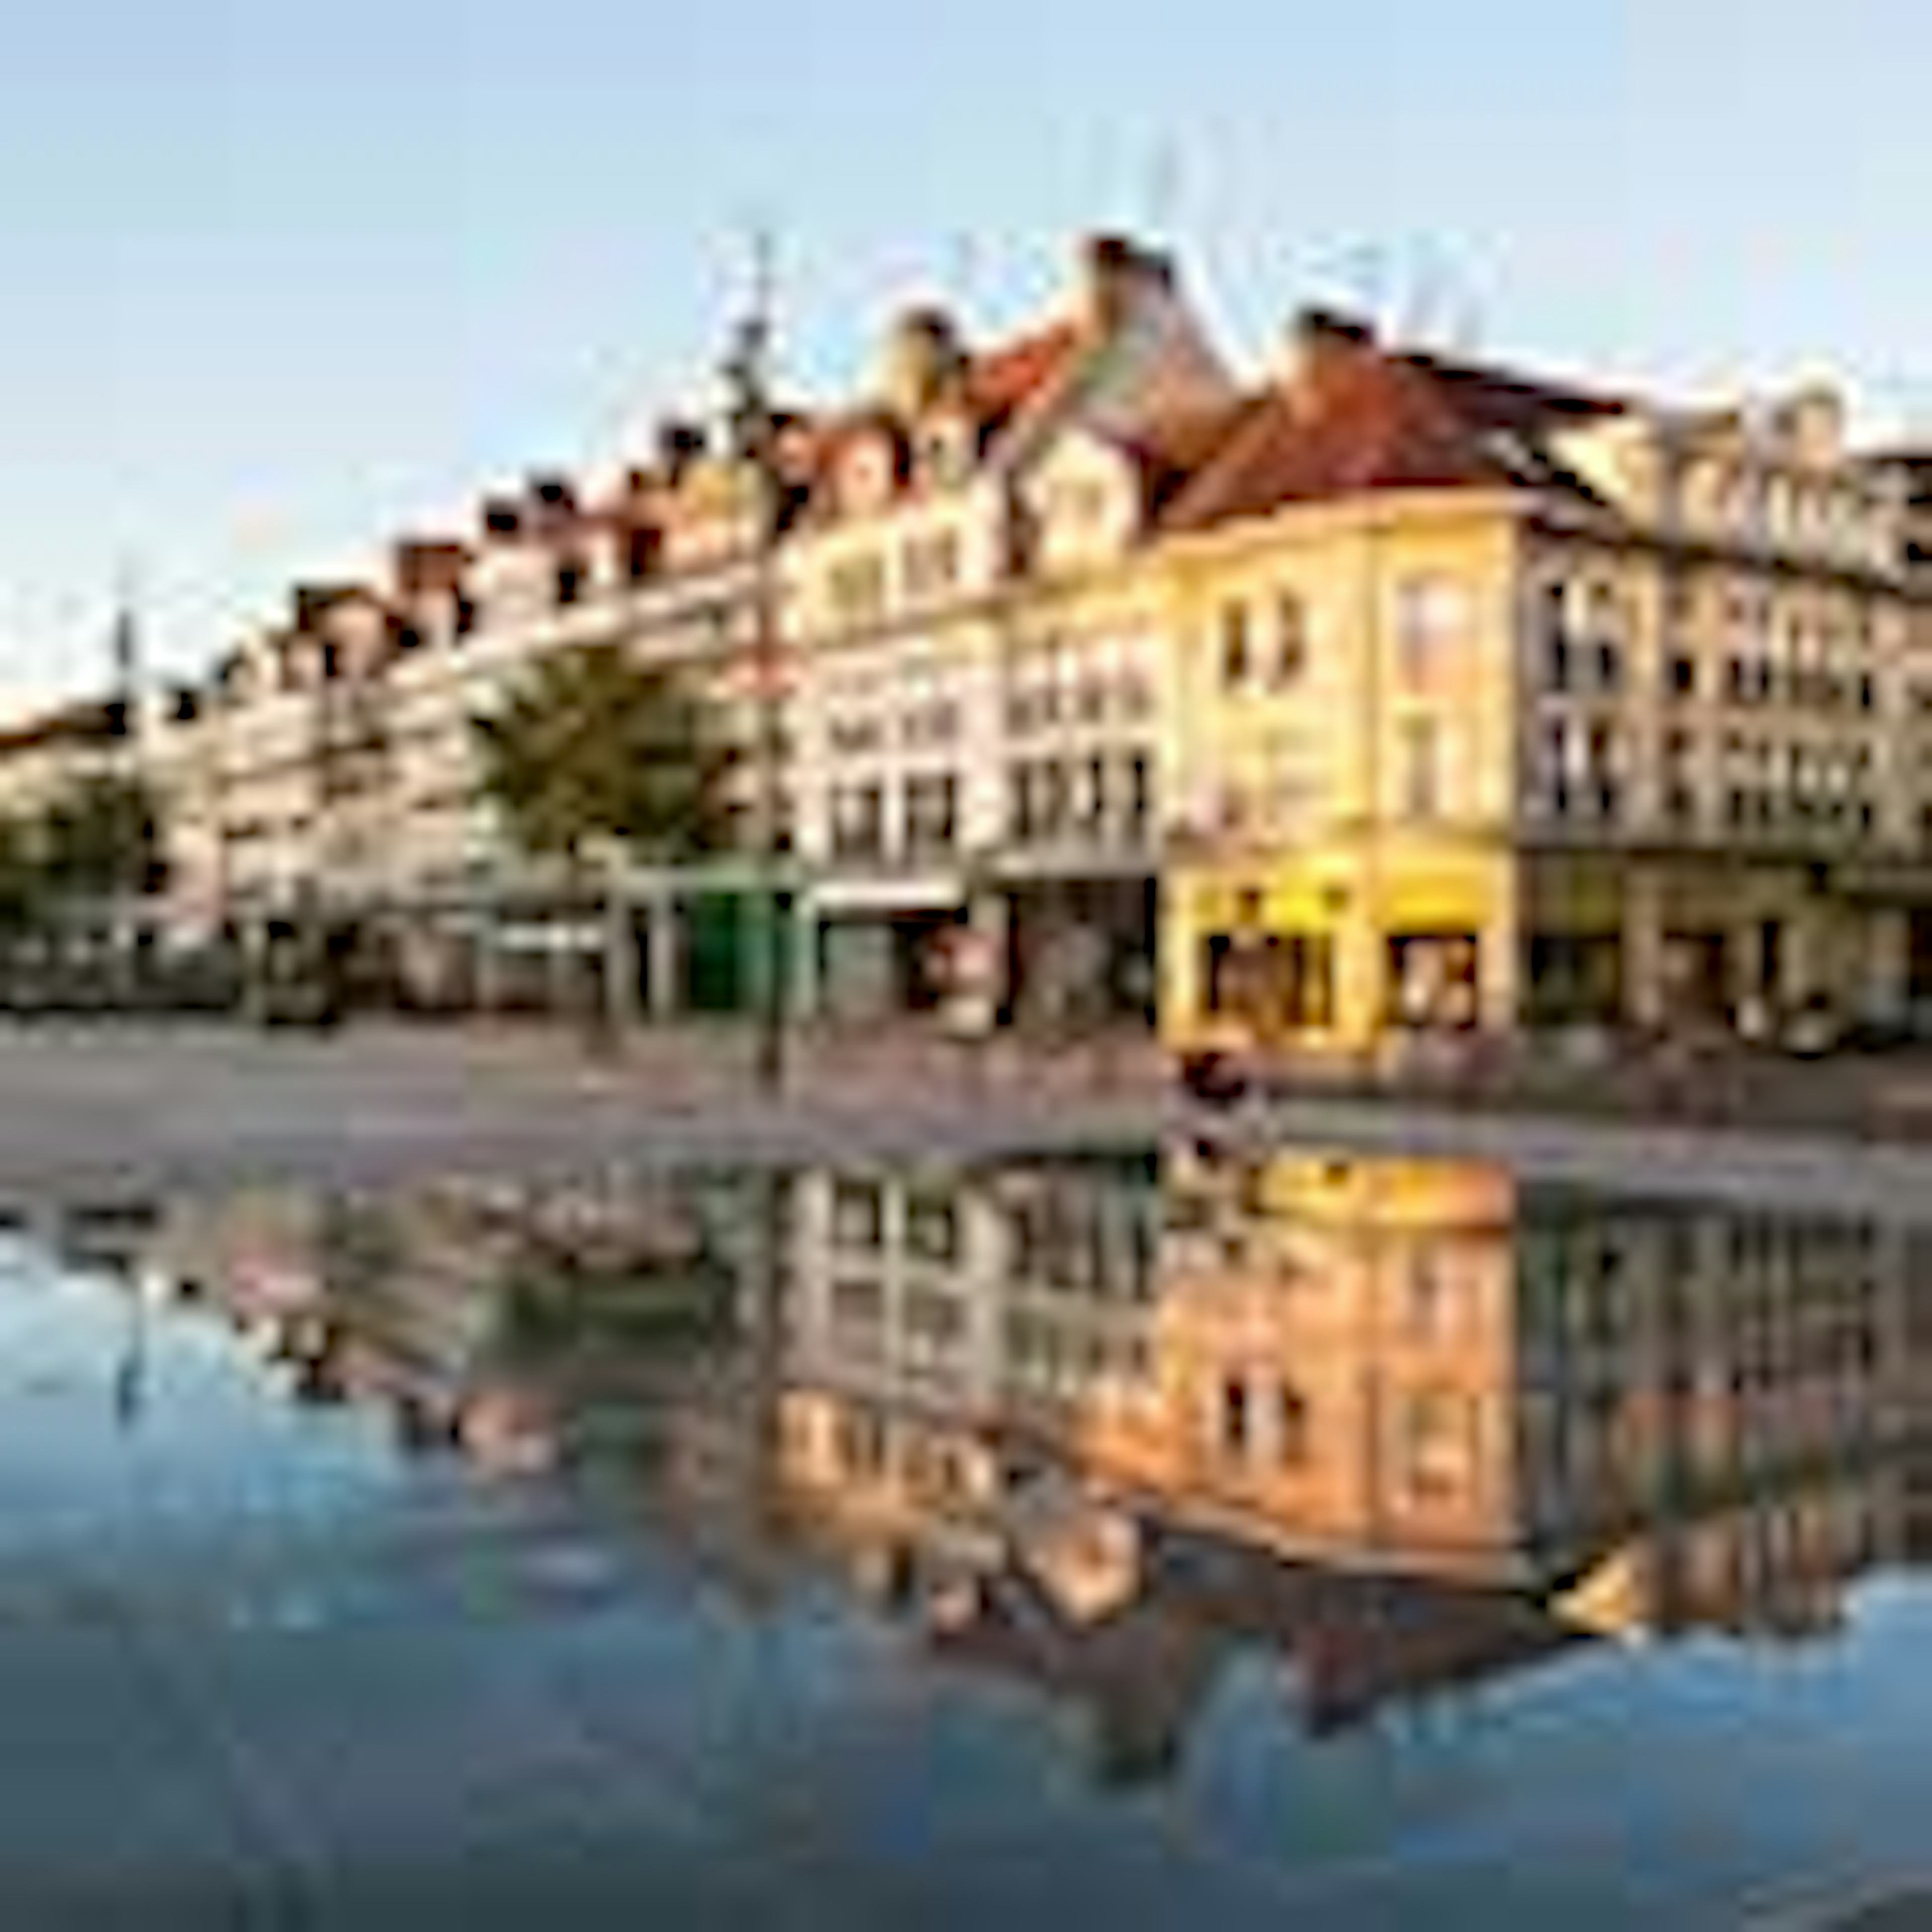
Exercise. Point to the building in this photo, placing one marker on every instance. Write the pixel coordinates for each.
(1499, 701)
(1391, 689)
(975, 714)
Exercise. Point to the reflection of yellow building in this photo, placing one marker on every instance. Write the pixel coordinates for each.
(1668, 1414)
(1335, 1349)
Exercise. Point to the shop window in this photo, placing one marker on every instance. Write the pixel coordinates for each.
(1575, 977)
(1433, 979)
(1272, 981)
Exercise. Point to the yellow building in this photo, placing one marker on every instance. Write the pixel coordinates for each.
(1495, 701)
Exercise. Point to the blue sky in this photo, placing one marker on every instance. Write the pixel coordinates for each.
(280, 280)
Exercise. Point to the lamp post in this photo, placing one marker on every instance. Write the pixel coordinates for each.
(754, 446)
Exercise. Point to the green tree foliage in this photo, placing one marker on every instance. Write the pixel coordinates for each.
(20, 885)
(590, 749)
(98, 838)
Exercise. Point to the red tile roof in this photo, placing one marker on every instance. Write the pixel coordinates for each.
(1360, 418)
(1000, 380)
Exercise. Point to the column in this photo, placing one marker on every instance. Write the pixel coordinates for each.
(1887, 970)
(620, 957)
(1361, 974)
(1645, 995)
(989, 916)
(666, 958)
(802, 1004)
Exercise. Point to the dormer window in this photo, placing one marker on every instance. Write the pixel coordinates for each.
(945, 451)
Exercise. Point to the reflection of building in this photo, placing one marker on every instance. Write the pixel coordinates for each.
(1407, 1421)
(1104, 1423)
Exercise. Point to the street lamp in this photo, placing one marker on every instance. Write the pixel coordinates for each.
(754, 427)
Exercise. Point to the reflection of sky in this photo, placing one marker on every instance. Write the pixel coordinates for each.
(286, 1646)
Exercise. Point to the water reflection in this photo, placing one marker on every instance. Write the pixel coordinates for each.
(1102, 1425)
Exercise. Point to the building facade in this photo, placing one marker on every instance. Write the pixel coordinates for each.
(1388, 691)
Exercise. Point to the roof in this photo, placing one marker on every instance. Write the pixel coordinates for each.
(999, 381)
(78, 723)
(1358, 418)
(1170, 449)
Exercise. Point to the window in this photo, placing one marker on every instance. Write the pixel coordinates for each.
(1089, 809)
(1435, 1445)
(331, 662)
(640, 553)
(569, 582)
(1683, 676)
(1235, 1417)
(408, 637)
(1234, 646)
(934, 1322)
(1273, 981)
(1431, 618)
(1139, 796)
(1291, 1427)
(465, 616)
(853, 736)
(931, 564)
(858, 1214)
(932, 1228)
(857, 589)
(931, 806)
(1291, 640)
(1421, 768)
(858, 821)
(1037, 799)
(1554, 634)
(858, 1301)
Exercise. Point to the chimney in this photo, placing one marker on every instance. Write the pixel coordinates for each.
(921, 356)
(554, 500)
(679, 445)
(1115, 270)
(423, 565)
(1319, 340)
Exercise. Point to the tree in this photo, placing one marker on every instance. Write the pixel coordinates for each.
(591, 756)
(19, 878)
(98, 838)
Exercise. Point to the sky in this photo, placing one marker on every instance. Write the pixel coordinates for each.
(278, 283)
